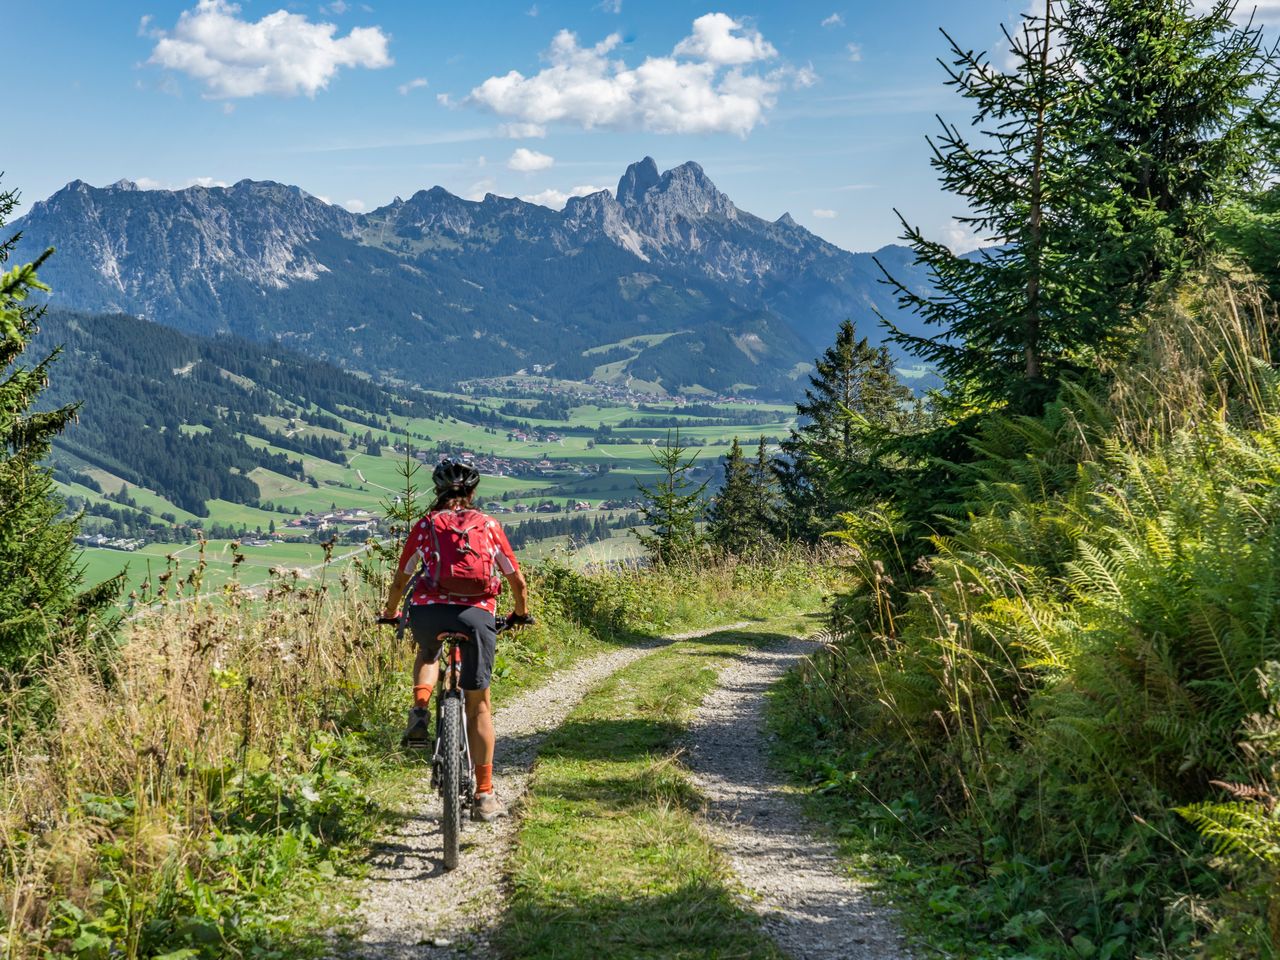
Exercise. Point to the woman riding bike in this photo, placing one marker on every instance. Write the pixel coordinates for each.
(433, 612)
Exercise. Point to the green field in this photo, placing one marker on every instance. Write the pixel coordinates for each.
(583, 469)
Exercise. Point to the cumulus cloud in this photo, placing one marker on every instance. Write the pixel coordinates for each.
(356, 206)
(556, 199)
(702, 87)
(283, 53)
(835, 20)
(855, 52)
(526, 160)
(417, 83)
(825, 214)
(610, 6)
(718, 38)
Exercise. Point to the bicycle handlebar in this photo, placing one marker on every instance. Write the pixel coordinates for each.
(503, 623)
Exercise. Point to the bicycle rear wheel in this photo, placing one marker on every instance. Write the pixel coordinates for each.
(451, 777)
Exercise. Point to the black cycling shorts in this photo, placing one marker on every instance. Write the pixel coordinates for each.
(428, 621)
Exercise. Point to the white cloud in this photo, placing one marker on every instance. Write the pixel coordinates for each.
(149, 183)
(521, 131)
(835, 20)
(283, 53)
(961, 239)
(825, 214)
(417, 83)
(705, 91)
(337, 8)
(1266, 13)
(532, 11)
(526, 160)
(479, 189)
(855, 52)
(445, 100)
(556, 199)
(356, 206)
(718, 38)
(144, 25)
(806, 76)
(610, 6)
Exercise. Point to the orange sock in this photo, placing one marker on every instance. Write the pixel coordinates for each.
(484, 778)
(422, 694)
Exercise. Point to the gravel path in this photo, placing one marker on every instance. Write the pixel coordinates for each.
(808, 903)
(411, 907)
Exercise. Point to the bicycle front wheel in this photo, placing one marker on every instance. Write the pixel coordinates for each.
(451, 777)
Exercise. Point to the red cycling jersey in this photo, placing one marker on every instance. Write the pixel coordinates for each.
(416, 551)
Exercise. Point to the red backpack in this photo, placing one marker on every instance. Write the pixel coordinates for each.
(461, 563)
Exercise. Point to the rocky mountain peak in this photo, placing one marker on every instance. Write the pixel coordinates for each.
(786, 220)
(640, 176)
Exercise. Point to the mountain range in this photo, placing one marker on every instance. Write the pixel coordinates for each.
(664, 281)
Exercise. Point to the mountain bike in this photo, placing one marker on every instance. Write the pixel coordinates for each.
(451, 769)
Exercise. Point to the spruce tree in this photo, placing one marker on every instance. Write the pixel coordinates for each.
(1176, 106)
(1091, 172)
(733, 521)
(764, 499)
(853, 387)
(40, 577)
(673, 507)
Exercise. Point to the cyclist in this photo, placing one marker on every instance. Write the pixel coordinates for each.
(433, 612)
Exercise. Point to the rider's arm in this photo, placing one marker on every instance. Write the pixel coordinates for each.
(391, 609)
(510, 569)
(409, 558)
(519, 592)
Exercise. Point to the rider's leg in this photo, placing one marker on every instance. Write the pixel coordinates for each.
(480, 727)
(425, 675)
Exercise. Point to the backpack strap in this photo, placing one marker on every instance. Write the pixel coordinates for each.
(435, 550)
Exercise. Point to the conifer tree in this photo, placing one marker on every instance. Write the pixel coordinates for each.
(1091, 172)
(733, 521)
(39, 575)
(853, 386)
(1176, 104)
(673, 507)
(764, 506)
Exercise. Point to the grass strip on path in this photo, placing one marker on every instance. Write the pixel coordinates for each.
(613, 859)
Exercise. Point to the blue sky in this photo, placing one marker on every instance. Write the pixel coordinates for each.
(819, 109)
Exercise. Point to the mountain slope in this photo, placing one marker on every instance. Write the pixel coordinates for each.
(435, 288)
(190, 417)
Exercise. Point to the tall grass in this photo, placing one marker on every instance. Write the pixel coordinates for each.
(1083, 662)
(196, 791)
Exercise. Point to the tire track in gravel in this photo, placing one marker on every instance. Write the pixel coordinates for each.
(412, 909)
(793, 877)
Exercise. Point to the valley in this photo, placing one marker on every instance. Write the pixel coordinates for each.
(322, 453)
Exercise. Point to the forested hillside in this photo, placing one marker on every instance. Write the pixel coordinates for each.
(173, 412)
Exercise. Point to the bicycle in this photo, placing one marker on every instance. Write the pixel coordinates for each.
(451, 759)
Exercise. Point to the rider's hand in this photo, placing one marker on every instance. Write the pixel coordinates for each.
(391, 613)
(519, 620)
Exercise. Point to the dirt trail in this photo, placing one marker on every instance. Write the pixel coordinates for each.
(411, 908)
(808, 902)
